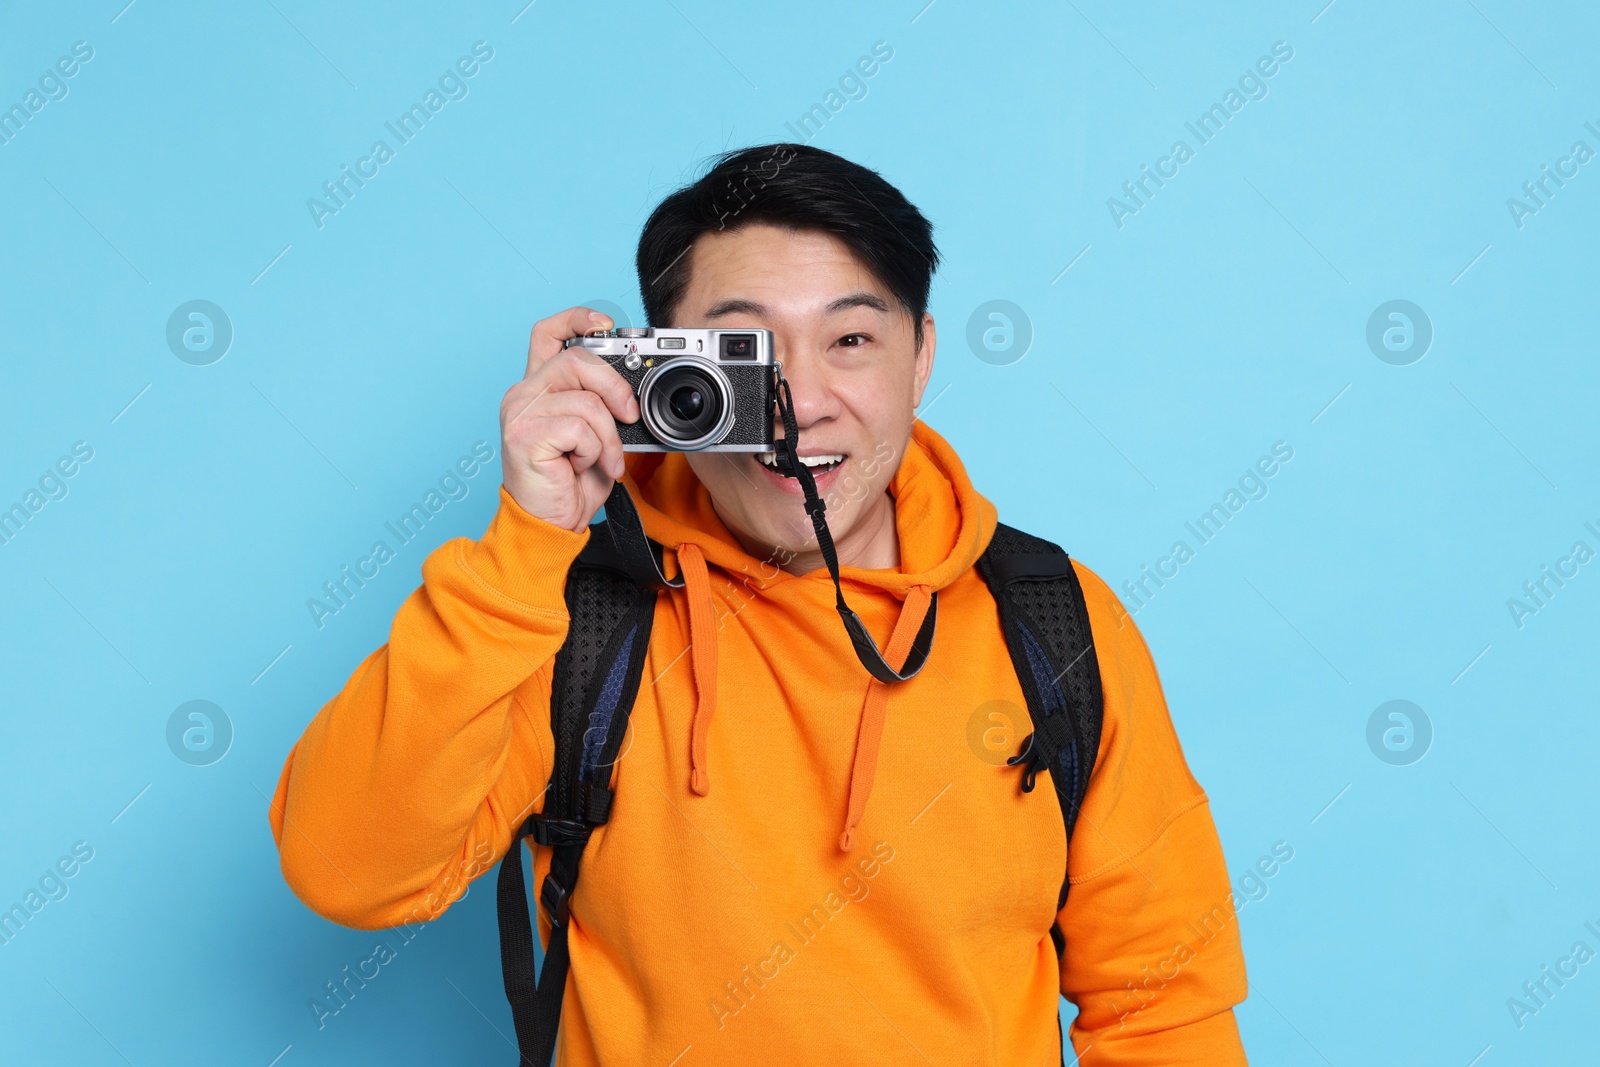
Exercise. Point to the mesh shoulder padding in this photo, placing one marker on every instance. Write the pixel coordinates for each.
(1044, 604)
(1061, 622)
(601, 602)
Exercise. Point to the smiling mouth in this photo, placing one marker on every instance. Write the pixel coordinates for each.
(818, 464)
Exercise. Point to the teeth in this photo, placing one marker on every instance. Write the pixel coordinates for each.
(771, 459)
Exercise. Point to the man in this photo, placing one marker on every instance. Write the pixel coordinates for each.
(800, 863)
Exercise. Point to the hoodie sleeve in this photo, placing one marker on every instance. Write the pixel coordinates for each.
(409, 782)
(1153, 958)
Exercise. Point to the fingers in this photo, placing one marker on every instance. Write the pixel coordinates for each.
(550, 335)
(570, 400)
(592, 410)
(576, 369)
(571, 436)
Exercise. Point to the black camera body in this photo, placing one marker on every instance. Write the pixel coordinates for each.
(699, 390)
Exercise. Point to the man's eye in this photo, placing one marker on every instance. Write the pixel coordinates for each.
(854, 340)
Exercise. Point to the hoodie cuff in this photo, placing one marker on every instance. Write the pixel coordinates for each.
(524, 557)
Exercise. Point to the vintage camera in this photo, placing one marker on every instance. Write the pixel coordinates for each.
(698, 390)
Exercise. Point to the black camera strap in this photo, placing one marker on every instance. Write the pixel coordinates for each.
(639, 555)
(789, 466)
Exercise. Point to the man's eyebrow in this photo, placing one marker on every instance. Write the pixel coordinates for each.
(737, 307)
(861, 299)
(740, 306)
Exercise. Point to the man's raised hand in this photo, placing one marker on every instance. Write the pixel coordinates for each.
(560, 451)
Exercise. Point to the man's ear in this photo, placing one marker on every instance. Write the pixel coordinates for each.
(924, 360)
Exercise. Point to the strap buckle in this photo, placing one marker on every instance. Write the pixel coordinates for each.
(555, 896)
(551, 830)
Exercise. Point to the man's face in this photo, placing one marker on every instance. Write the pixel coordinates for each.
(849, 353)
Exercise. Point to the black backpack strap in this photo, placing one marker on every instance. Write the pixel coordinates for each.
(596, 679)
(1046, 625)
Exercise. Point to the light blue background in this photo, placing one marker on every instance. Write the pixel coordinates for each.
(1226, 315)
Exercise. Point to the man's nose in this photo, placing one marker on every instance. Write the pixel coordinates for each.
(808, 387)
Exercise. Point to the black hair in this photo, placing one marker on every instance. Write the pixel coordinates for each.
(796, 187)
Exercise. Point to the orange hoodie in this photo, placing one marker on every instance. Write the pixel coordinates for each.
(800, 861)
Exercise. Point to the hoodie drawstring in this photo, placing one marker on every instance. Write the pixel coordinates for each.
(865, 766)
(703, 658)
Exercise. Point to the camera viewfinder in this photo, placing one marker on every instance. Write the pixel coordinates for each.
(738, 346)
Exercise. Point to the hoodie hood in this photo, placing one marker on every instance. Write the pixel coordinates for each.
(943, 525)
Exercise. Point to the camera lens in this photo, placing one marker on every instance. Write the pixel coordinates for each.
(687, 404)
